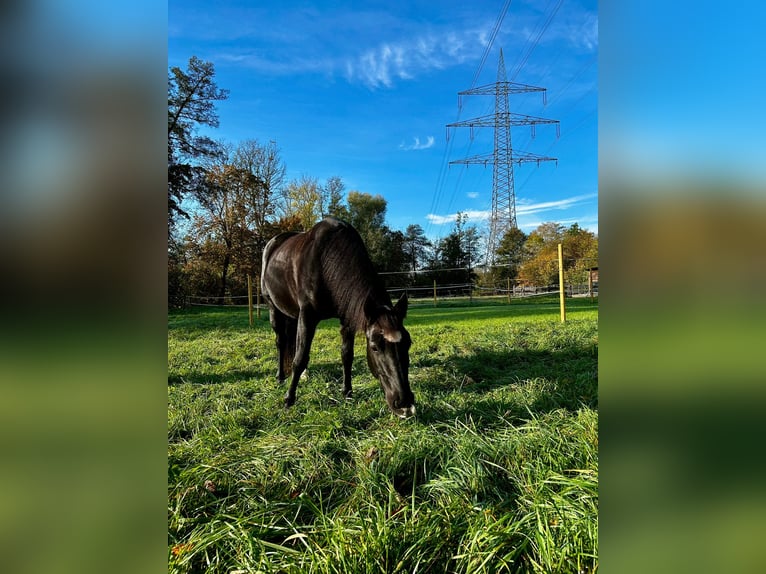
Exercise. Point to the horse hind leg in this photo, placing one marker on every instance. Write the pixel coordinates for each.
(285, 330)
(288, 348)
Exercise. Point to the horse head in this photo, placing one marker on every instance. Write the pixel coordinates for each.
(388, 355)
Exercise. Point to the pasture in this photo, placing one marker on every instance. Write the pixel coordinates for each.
(497, 473)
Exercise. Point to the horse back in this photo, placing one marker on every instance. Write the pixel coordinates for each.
(326, 268)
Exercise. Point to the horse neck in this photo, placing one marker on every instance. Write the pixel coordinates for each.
(371, 296)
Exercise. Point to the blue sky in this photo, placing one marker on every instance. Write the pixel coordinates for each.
(364, 90)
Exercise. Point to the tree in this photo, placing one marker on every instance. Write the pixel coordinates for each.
(303, 198)
(221, 221)
(191, 103)
(457, 251)
(510, 253)
(367, 214)
(580, 248)
(267, 170)
(265, 165)
(416, 246)
(333, 190)
(580, 252)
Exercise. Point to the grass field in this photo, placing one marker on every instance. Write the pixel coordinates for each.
(497, 473)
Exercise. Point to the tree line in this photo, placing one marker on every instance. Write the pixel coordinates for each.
(225, 201)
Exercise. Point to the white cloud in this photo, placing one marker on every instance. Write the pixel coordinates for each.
(523, 207)
(472, 194)
(473, 216)
(417, 145)
(404, 59)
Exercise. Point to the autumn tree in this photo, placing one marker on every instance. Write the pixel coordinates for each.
(263, 164)
(234, 214)
(580, 248)
(219, 226)
(580, 251)
(540, 265)
(304, 199)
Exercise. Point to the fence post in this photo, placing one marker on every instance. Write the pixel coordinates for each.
(590, 284)
(250, 300)
(561, 284)
(434, 292)
(508, 284)
(258, 296)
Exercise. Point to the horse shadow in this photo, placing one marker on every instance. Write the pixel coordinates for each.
(545, 381)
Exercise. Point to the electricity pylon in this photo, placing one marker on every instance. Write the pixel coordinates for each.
(503, 157)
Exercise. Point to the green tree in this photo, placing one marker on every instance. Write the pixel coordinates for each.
(416, 246)
(366, 213)
(333, 190)
(458, 252)
(510, 253)
(192, 94)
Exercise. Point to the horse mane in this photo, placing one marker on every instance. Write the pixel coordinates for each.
(350, 275)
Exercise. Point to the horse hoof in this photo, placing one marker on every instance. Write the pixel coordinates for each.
(289, 401)
(348, 395)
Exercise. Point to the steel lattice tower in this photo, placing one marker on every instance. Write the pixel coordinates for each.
(503, 157)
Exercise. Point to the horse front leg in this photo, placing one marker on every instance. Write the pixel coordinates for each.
(307, 325)
(347, 358)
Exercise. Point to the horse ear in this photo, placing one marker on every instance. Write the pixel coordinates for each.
(401, 307)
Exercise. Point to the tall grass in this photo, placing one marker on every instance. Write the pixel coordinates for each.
(498, 473)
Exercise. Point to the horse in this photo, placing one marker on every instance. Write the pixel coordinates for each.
(325, 273)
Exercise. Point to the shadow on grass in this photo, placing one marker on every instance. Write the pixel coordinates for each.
(537, 382)
(233, 376)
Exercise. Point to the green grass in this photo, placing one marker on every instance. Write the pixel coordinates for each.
(498, 472)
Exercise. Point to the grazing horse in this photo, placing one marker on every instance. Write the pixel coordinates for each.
(326, 272)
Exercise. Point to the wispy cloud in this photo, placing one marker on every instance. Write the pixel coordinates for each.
(523, 207)
(380, 66)
(417, 144)
(473, 216)
(472, 194)
(404, 59)
(588, 222)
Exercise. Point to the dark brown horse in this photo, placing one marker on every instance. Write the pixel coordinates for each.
(323, 273)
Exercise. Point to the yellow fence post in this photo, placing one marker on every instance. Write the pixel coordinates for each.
(250, 300)
(561, 284)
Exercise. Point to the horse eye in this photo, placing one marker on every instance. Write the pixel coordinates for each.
(374, 347)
